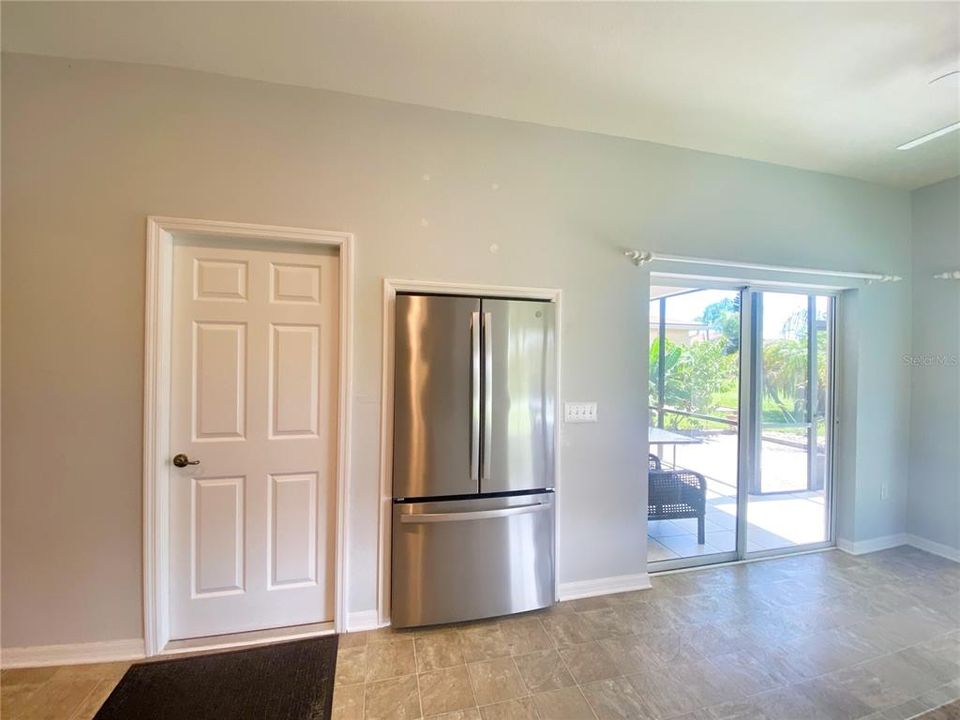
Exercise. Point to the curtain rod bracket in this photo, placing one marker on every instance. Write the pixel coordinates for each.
(639, 258)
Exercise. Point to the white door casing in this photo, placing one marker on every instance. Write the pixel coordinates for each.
(254, 375)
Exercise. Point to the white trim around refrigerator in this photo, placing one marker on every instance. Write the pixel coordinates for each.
(391, 287)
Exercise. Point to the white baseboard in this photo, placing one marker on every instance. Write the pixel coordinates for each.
(872, 545)
(951, 553)
(77, 654)
(363, 620)
(604, 586)
(892, 541)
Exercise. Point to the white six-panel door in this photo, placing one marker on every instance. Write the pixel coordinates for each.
(254, 400)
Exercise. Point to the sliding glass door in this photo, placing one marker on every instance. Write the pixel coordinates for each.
(741, 421)
(787, 493)
(695, 424)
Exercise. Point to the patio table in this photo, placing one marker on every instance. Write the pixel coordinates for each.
(661, 437)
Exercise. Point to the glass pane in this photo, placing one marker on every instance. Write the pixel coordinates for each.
(786, 498)
(695, 402)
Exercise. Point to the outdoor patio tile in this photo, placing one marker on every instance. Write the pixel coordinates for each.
(686, 545)
(657, 552)
(721, 518)
(723, 540)
(686, 526)
(664, 528)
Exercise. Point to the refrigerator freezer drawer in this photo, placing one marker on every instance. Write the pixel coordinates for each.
(470, 559)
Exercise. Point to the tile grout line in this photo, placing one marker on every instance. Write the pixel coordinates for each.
(576, 683)
(416, 673)
(523, 682)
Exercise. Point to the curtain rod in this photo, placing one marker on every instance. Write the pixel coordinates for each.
(645, 257)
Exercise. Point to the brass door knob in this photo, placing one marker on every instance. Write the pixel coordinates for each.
(181, 460)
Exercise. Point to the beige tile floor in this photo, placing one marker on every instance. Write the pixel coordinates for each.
(824, 636)
(57, 693)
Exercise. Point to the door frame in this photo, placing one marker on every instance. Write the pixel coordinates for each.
(392, 286)
(158, 344)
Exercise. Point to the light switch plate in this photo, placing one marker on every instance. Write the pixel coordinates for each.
(580, 412)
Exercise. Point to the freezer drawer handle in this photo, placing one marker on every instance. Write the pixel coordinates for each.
(477, 515)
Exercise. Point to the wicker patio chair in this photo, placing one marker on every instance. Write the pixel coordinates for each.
(654, 462)
(678, 494)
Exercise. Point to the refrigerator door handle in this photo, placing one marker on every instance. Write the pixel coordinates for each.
(487, 395)
(475, 396)
(421, 518)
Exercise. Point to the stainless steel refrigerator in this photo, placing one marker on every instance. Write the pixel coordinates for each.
(473, 458)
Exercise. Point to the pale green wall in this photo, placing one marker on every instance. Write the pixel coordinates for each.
(90, 149)
(934, 504)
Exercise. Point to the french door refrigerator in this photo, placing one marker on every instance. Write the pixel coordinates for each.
(473, 458)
